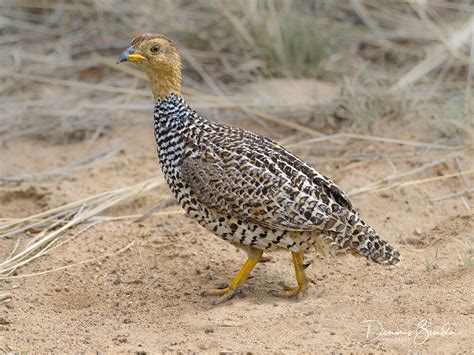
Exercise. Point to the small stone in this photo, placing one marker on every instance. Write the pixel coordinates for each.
(209, 331)
(332, 333)
(204, 345)
(127, 321)
(3, 321)
(417, 231)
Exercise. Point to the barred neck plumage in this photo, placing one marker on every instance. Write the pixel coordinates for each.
(173, 120)
(170, 113)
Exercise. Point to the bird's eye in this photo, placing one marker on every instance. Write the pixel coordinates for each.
(155, 48)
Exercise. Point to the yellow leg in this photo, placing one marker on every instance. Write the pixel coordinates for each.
(301, 279)
(242, 276)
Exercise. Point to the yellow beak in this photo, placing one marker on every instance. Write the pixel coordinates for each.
(135, 57)
(129, 56)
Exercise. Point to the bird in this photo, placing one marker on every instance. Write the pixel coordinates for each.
(244, 187)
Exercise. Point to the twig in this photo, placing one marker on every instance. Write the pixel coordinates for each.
(134, 216)
(437, 56)
(206, 77)
(61, 209)
(5, 297)
(80, 85)
(165, 203)
(406, 173)
(388, 140)
(464, 179)
(398, 141)
(281, 121)
(120, 251)
(455, 194)
(79, 212)
(63, 170)
(410, 183)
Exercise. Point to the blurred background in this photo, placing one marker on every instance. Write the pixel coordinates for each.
(376, 94)
(358, 63)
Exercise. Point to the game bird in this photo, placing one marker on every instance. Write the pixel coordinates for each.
(243, 187)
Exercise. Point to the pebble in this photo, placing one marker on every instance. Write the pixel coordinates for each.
(204, 345)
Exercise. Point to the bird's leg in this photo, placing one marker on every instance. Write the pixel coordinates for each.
(228, 292)
(301, 278)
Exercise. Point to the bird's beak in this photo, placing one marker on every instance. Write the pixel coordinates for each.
(129, 56)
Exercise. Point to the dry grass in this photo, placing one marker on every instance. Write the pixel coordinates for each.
(54, 222)
(398, 60)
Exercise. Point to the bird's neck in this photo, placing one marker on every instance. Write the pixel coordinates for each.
(165, 82)
(171, 114)
(172, 122)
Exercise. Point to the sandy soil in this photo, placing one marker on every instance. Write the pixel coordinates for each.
(148, 297)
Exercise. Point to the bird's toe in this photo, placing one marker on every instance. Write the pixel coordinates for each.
(296, 292)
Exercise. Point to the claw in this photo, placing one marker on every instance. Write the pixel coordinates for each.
(216, 291)
(291, 292)
(224, 294)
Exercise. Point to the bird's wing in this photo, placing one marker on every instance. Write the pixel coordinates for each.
(256, 180)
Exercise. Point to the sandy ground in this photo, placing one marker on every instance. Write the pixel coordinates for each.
(147, 298)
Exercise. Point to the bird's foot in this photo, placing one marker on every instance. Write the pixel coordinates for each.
(224, 293)
(296, 292)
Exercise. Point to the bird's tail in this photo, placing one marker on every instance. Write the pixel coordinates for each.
(365, 241)
(362, 239)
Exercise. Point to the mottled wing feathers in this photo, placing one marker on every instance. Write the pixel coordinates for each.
(254, 179)
(252, 200)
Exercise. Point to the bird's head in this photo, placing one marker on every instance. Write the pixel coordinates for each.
(159, 58)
